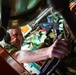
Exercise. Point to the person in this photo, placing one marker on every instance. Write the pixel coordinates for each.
(58, 49)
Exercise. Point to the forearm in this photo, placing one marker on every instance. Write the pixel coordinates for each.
(32, 56)
(58, 49)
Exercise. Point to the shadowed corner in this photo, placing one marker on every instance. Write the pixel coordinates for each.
(2, 32)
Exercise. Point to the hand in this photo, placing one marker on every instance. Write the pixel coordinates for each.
(59, 49)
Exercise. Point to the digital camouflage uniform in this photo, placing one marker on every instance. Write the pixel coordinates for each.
(9, 48)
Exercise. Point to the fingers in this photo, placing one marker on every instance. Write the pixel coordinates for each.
(60, 48)
(57, 55)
